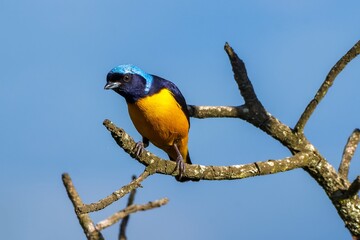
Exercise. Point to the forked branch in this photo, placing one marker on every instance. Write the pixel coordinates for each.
(92, 231)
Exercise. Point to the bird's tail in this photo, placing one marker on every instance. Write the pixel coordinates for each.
(188, 160)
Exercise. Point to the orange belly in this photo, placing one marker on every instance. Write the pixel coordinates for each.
(160, 119)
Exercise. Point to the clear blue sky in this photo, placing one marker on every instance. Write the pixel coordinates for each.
(54, 57)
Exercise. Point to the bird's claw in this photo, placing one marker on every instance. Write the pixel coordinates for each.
(180, 165)
(139, 148)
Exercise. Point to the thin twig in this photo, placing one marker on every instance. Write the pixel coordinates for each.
(84, 219)
(101, 204)
(329, 80)
(348, 153)
(124, 222)
(129, 210)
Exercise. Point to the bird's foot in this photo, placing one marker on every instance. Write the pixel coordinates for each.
(180, 165)
(139, 148)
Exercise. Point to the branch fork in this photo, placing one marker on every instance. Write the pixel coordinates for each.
(93, 231)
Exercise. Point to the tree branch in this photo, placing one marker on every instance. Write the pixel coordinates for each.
(84, 219)
(124, 222)
(329, 80)
(129, 210)
(218, 111)
(348, 153)
(200, 172)
(101, 204)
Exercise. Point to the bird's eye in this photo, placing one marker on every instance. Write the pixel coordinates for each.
(126, 77)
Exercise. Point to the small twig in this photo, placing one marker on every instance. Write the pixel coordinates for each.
(129, 210)
(329, 80)
(101, 204)
(348, 153)
(352, 191)
(84, 219)
(354, 187)
(124, 222)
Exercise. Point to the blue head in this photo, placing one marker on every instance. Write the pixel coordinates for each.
(129, 81)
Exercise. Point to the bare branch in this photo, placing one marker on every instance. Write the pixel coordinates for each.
(200, 172)
(348, 153)
(101, 204)
(129, 210)
(124, 222)
(329, 80)
(84, 219)
(218, 111)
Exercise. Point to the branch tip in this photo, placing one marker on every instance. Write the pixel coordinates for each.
(130, 210)
(228, 49)
(115, 196)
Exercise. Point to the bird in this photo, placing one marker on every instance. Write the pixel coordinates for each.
(158, 111)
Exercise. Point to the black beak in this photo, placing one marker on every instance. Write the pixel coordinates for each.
(112, 85)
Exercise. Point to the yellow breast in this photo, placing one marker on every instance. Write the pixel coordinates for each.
(160, 119)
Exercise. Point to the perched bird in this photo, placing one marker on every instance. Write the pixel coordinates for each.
(158, 110)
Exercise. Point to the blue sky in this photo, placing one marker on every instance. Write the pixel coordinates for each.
(55, 55)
